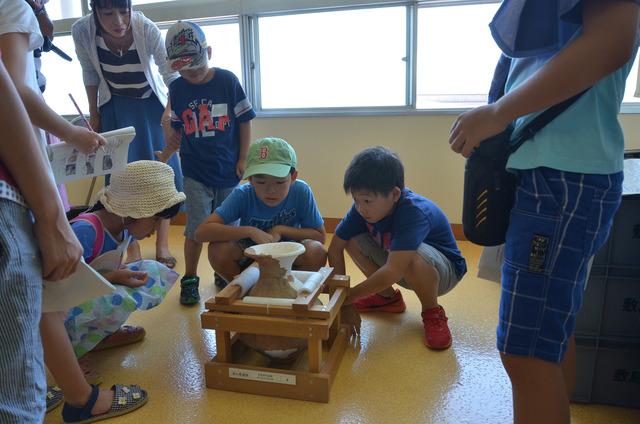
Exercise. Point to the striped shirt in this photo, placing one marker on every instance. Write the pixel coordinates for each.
(124, 73)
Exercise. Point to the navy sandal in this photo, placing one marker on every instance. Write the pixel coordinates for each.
(125, 400)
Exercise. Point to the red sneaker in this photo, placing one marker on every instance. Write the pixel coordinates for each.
(376, 303)
(436, 330)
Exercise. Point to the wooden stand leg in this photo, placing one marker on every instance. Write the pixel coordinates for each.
(223, 346)
(315, 355)
(335, 328)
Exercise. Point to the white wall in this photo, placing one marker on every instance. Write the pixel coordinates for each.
(325, 145)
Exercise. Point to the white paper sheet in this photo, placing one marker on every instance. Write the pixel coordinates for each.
(111, 260)
(69, 164)
(82, 285)
(490, 263)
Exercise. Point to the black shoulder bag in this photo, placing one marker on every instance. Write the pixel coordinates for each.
(489, 189)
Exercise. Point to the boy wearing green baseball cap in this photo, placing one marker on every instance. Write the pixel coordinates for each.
(273, 206)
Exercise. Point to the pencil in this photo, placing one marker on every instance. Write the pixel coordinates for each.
(84, 118)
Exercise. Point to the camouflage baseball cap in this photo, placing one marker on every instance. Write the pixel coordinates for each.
(186, 46)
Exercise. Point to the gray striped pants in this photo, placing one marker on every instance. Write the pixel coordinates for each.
(22, 375)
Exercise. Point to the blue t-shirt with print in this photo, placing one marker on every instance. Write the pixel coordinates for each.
(210, 115)
(86, 234)
(415, 220)
(297, 210)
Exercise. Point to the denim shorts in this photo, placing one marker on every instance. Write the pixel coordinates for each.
(201, 201)
(431, 255)
(559, 221)
(23, 388)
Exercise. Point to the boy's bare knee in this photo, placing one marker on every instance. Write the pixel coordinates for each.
(314, 257)
(353, 247)
(222, 252)
(524, 369)
(421, 269)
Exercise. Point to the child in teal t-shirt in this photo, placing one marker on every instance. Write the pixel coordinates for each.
(569, 180)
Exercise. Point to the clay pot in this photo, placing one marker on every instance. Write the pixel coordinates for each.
(275, 261)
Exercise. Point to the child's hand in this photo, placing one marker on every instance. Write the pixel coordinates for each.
(350, 316)
(172, 137)
(127, 277)
(164, 155)
(60, 250)
(85, 140)
(240, 167)
(275, 233)
(475, 126)
(260, 237)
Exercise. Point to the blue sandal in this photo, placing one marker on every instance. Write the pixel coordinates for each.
(125, 400)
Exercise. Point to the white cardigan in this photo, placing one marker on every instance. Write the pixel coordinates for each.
(150, 46)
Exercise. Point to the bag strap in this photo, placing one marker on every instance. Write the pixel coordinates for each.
(540, 121)
(496, 91)
(98, 228)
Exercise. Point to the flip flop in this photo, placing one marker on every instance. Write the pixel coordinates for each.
(168, 261)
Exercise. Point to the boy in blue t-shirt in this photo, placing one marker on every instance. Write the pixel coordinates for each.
(209, 117)
(273, 206)
(394, 235)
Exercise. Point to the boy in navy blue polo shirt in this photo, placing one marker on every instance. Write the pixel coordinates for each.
(395, 235)
(209, 117)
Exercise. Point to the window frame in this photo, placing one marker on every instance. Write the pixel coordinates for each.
(256, 100)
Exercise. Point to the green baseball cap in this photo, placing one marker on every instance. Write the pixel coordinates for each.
(270, 156)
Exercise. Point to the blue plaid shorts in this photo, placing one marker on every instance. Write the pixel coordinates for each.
(559, 221)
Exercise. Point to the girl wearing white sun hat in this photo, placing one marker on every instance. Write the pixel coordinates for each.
(131, 206)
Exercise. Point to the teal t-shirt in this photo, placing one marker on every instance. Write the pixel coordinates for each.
(585, 138)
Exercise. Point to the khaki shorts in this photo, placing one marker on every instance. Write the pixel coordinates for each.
(431, 255)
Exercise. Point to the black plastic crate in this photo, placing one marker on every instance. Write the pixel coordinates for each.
(611, 305)
(608, 371)
(589, 319)
(624, 241)
(602, 257)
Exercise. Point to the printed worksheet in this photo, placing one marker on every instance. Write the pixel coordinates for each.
(69, 164)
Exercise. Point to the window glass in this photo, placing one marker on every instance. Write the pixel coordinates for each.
(349, 58)
(456, 55)
(63, 78)
(630, 88)
(63, 9)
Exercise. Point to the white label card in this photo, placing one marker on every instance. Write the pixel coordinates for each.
(270, 377)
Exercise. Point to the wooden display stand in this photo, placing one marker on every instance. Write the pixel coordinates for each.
(318, 324)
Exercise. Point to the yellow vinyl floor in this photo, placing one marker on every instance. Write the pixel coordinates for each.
(387, 376)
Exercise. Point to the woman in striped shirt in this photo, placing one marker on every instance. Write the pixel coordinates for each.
(125, 74)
